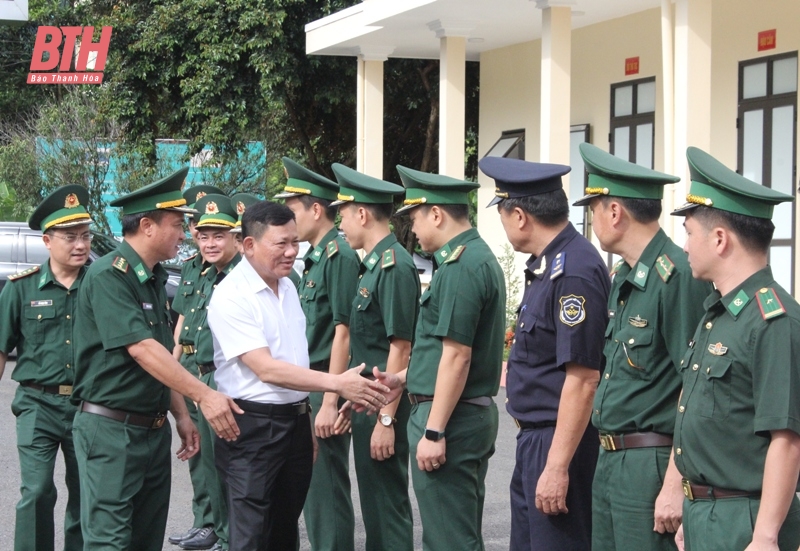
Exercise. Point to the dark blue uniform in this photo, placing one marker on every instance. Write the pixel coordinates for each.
(562, 319)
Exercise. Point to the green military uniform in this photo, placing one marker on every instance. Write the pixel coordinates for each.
(326, 291)
(385, 306)
(653, 310)
(740, 381)
(465, 302)
(36, 316)
(214, 212)
(122, 438)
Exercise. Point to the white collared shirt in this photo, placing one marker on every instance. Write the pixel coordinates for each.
(245, 314)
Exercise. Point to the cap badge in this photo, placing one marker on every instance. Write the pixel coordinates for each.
(71, 201)
(200, 195)
(211, 208)
(240, 208)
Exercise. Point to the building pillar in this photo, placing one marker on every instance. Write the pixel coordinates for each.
(369, 111)
(668, 93)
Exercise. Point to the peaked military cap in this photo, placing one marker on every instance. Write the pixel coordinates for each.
(302, 181)
(614, 177)
(433, 189)
(240, 202)
(165, 194)
(63, 208)
(215, 211)
(195, 193)
(360, 188)
(515, 178)
(716, 186)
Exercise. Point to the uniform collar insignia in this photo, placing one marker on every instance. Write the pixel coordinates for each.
(738, 303)
(542, 267)
(640, 278)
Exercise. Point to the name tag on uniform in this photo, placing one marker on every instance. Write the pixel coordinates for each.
(35, 303)
(147, 306)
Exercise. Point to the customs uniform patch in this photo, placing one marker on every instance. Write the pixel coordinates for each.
(572, 310)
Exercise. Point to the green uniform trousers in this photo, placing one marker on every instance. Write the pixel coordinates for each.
(383, 485)
(328, 510)
(125, 474)
(216, 488)
(716, 524)
(44, 423)
(201, 500)
(626, 485)
(451, 498)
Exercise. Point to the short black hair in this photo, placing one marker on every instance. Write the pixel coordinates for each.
(259, 216)
(130, 222)
(308, 201)
(456, 212)
(549, 209)
(643, 211)
(754, 233)
(379, 211)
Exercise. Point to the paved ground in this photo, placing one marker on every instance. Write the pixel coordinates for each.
(495, 523)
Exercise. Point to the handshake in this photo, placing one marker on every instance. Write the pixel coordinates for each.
(365, 394)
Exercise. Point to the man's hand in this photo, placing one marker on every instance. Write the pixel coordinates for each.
(360, 390)
(679, 538)
(551, 491)
(190, 438)
(216, 408)
(381, 445)
(669, 509)
(325, 421)
(343, 422)
(762, 545)
(391, 381)
(431, 455)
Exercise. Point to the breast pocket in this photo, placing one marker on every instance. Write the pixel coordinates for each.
(426, 317)
(716, 389)
(635, 346)
(363, 310)
(526, 333)
(40, 322)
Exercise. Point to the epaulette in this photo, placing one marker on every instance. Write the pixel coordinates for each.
(332, 248)
(388, 259)
(769, 303)
(664, 267)
(188, 258)
(558, 265)
(455, 254)
(120, 264)
(615, 268)
(24, 273)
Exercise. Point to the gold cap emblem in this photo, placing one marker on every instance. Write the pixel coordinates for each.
(211, 208)
(200, 195)
(71, 201)
(240, 208)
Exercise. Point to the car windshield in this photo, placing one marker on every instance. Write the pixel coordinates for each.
(103, 244)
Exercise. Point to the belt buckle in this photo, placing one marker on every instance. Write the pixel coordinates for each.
(158, 422)
(65, 390)
(188, 349)
(687, 489)
(413, 399)
(607, 442)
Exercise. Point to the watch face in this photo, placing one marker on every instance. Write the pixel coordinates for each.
(386, 420)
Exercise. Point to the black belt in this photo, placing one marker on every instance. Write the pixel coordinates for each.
(483, 401)
(530, 425)
(147, 421)
(617, 442)
(205, 369)
(61, 390)
(323, 365)
(278, 410)
(698, 491)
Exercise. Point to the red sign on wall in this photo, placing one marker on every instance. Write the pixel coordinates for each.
(767, 40)
(632, 66)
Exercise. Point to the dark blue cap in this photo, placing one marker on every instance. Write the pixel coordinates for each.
(515, 178)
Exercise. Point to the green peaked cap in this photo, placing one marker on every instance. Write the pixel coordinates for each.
(614, 177)
(302, 181)
(195, 193)
(433, 189)
(63, 208)
(716, 186)
(360, 188)
(240, 202)
(215, 211)
(165, 194)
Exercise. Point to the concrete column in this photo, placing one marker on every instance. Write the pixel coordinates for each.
(452, 69)
(668, 93)
(556, 80)
(369, 117)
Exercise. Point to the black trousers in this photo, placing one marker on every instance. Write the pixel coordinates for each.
(267, 471)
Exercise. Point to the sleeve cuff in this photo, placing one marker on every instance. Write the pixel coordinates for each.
(125, 340)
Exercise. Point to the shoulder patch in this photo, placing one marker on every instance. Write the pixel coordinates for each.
(388, 259)
(120, 264)
(455, 254)
(25, 273)
(332, 248)
(664, 267)
(558, 265)
(615, 268)
(769, 303)
(573, 310)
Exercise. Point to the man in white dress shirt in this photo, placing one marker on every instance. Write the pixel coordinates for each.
(261, 355)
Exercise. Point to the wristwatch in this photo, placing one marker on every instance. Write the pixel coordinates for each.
(433, 435)
(386, 420)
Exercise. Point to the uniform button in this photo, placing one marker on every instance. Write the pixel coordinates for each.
(695, 367)
(362, 275)
(215, 286)
(529, 283)
(678, 451)
(39, 317)
(199, 328)
(616, 340)
(522, 324)
(186, 328)
(151, 323)
(68, 316)
(681, 409)
(506, 400)
(359, 307)
(514, 341)
(192, 309)
(68, 366)
(608, 375)
(67, 341)
(68, 292)
(708, 370)
(631, 341)
(197, 292)
(621, 303)
(305, 272)
(682, 362)
(709, 325)
(597, 412)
